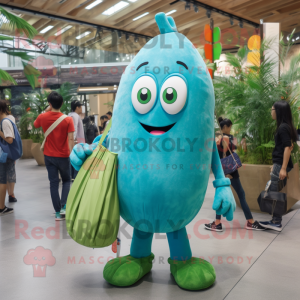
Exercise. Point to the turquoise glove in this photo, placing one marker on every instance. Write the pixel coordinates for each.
(224, 203)
(80, 153)
(104, 143)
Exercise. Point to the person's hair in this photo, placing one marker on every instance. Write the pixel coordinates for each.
(92, 118)
(224, 122)
(75, 104)
(4, 107)
(86, 120)
(109, 113)
(284, 115)
(55, 99)
(103, 117)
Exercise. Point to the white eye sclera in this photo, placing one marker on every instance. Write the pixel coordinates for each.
(143, 94)
(173, 95)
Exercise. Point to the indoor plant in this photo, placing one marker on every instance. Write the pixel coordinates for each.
(246, 98)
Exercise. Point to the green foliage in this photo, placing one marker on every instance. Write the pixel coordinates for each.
(5, 76)
(18, 23)
(23, 28)
(21, 54)
(32, 105)
(69, 93)
(247, 98)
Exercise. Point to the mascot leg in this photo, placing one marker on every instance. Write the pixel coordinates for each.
(127, 270)
(189, 272)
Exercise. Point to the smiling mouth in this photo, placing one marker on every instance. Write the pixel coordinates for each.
(157, 130)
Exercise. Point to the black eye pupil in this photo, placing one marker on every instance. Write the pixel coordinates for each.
(169, 96)
(144, 96)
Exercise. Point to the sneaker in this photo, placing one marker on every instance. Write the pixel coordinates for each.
(6, 210)
(63, 211)
(254, 226)
(59, 217)
(271, 225)
(12, 199)
(212, 226)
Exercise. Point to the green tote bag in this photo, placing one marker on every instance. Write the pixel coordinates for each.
(92, 211)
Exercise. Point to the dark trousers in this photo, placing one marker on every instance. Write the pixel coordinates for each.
(73, 172)
(61, 165)
(276, 186)
(236, 184)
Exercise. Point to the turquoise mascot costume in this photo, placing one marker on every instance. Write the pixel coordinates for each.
(163, 132)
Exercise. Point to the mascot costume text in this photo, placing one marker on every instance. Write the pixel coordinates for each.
(163, 132)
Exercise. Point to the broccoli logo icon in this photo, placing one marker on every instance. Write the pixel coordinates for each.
(39, 258)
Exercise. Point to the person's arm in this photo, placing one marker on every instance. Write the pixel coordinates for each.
(37, 122)
(286, 158)
(75, 122)
(71, 140)
(8, 131)
(96, 130)
(8, 139)
(287, 143)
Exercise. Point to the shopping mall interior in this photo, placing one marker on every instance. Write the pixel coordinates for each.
(152, 205)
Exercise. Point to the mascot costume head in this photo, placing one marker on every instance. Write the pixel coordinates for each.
(163, 132)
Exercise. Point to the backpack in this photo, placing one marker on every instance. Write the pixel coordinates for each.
(14, 150)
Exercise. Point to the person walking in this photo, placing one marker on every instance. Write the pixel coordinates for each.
(8, 143)
(103, 120)
(90, 129)
(284, 137)
(59, 142)
(76, 110)
(109, 116)
(223, 145)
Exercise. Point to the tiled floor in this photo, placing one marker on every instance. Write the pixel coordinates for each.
(249, 265)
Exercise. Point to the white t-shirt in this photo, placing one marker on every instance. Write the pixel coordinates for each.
(7, 127)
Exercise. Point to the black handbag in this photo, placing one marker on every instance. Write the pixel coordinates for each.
(272, 203)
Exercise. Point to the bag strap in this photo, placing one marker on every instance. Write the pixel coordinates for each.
(224, 153)
(104, 134)
(52, 127)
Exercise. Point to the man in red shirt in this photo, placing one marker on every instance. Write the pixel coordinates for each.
(57, 149)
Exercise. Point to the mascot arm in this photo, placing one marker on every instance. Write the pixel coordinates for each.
(82, 151)
(224, 203)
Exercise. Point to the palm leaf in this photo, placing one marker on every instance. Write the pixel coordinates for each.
(6, 38)
(18, 23)
(5, 76)
(22, 55)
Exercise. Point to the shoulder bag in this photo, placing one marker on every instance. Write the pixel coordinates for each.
(232, 162)
(51, 128)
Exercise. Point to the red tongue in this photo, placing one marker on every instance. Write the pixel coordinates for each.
(157, 132)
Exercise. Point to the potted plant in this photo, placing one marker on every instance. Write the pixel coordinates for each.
(32, 105)
(246, 98)
(37, 153)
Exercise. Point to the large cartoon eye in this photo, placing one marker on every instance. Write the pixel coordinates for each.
(173, 95)
(143, 94)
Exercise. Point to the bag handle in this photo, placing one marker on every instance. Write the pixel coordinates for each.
(51, 128)
(106, 130)
(224, 153)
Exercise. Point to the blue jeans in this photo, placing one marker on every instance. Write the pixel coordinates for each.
(236, 184)
(61, 165)
(276, 186)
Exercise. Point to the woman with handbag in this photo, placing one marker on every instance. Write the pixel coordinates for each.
(225, 147)
(284, 137)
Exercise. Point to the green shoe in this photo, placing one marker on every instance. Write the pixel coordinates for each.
(192, 274)
(127, 270)
(63, 210)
